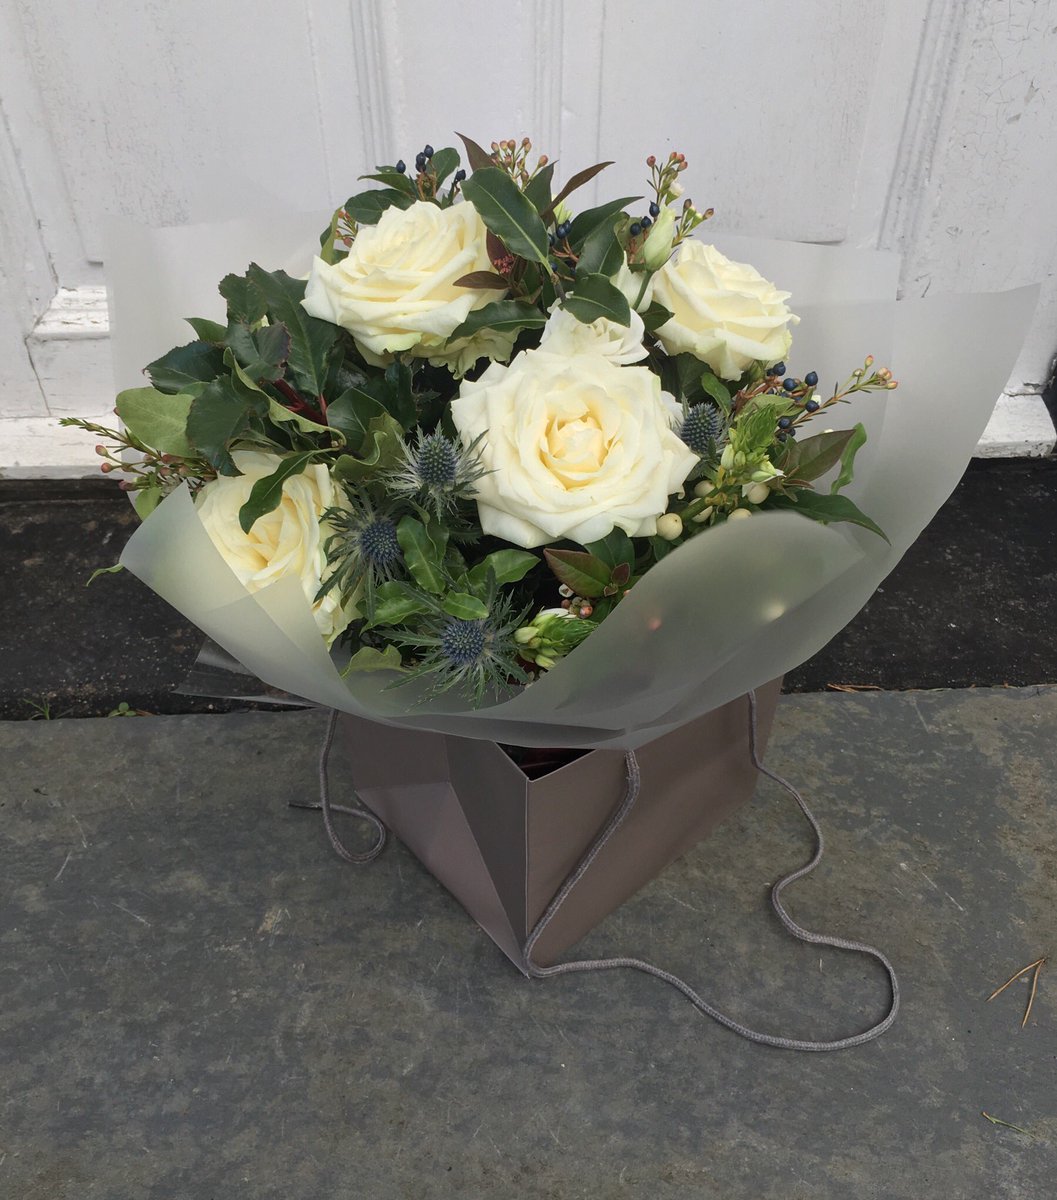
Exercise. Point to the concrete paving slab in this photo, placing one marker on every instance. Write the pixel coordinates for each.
(197, 999)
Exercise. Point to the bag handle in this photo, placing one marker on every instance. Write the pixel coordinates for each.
(616, 819)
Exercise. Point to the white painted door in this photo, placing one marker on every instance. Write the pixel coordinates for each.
(926, 126)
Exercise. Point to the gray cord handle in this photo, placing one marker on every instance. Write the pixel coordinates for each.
(616, 819)
(324, 805)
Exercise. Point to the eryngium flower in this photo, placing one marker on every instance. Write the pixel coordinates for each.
(437, 471)
(363, 549)
(702, 428)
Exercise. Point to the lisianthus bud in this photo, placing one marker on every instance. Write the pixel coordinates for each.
(756, 493)
(765, 471)
(552, 633)
(657, 248)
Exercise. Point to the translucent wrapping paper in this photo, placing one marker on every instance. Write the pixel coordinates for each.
(732, 608)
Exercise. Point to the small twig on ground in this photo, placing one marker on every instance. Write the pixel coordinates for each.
(854, 687)
(1036, 966)
(1005, 1124)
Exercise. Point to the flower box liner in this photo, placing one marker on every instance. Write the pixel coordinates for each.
(503, 843)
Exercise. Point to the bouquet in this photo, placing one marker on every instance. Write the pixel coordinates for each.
(493, 465)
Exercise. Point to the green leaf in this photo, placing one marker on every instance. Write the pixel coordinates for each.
(538, 189)
(366, 208)
(208, 331)
(311, 340)
(197, 362)
(501, 314)
(329, 252)
(217, 417)
(397, 397)
(367, 658)
(577, 181)
(477, 156)
(261, 353)
(507, 212)
(444, 162)
(602, 253)
(392, 178)
(586, 574)
(145, 501)
(655, 316)
(420, 554)
(382, 448)
(394, 603)
(464, 606)
(847, 459)
(351, 414)
(616, 550)
(808, 459)
(823, 508)
(157, 420)
(716, 389)
(104, 571)
(266, 493)
(281, 415)
(508, 566)
(592, 217)
(245, 302)
(487, 280)
(596, 297)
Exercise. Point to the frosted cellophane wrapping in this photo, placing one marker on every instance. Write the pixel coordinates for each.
(732, 608)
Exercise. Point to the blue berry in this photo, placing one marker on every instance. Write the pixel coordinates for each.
(784, 422)
(655, 209)
(789, 384)
(812, 406)
(778, 369)
(460, 175)
(401, 166)
(645, 222)
(420, 163)
(811, 378)
(427, 150)
(635, 229)
(781, 437)
(551, 238)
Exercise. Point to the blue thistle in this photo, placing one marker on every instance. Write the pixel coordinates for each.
(362, 548)
(474, 657)
(437, 471)
(703, 429)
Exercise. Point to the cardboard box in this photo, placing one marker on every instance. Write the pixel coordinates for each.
(503, 843)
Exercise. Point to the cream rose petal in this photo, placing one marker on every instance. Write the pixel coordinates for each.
(573, 446)
(288, 541)
(395, 291)
(723, 312)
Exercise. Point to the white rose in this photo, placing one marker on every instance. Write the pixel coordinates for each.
(572, 447)
(287, 541)
(725, 313)
(396, 289)
(621, 344)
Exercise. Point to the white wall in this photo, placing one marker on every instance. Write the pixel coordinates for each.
(927, 126)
